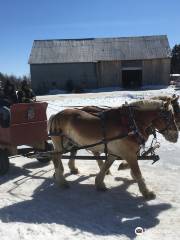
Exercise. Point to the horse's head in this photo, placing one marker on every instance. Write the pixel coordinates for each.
(175, 104)
(165, 122)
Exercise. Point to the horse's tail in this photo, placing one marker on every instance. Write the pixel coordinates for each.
(51, 126)
(55, 125)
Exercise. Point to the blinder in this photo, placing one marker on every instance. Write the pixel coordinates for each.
(168, 117)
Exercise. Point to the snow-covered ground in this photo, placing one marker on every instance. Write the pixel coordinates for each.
(33, 207)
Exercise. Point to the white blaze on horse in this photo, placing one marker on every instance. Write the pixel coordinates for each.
(83, 128)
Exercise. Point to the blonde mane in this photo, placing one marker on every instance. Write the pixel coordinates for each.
(143, 105)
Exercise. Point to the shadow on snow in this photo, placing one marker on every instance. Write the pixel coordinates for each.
(83, 208)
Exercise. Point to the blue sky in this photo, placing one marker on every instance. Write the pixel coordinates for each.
(22, 21)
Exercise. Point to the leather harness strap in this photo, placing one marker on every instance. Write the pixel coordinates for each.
(134, 131)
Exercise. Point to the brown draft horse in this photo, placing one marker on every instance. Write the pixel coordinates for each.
(98, 110)
(176, 107)
(84, 129)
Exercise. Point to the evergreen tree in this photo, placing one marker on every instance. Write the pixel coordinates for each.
(175, 61)
(13, 79)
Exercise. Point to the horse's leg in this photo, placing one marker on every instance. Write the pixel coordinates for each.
(136, 174)
(99, 181)
(71, 163)
(58, 175)
(100, 162)
(58, 166)
(123, 165)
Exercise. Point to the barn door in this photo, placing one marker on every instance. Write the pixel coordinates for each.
(132, 78)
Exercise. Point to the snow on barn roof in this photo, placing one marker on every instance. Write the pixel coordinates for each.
(99, 49)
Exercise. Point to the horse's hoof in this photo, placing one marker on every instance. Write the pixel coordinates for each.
(101, 188)
(65, 185)
(108, 172)
(75, 171)
(149, 195)
(123, 166)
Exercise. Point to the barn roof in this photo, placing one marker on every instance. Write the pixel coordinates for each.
(99, 49)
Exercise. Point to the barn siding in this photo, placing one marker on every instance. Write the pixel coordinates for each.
(81, 74)
(166, 68)
(156, 71)
(93, 75)
(109, 73)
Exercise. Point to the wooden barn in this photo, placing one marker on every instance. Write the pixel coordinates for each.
(128, 62)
